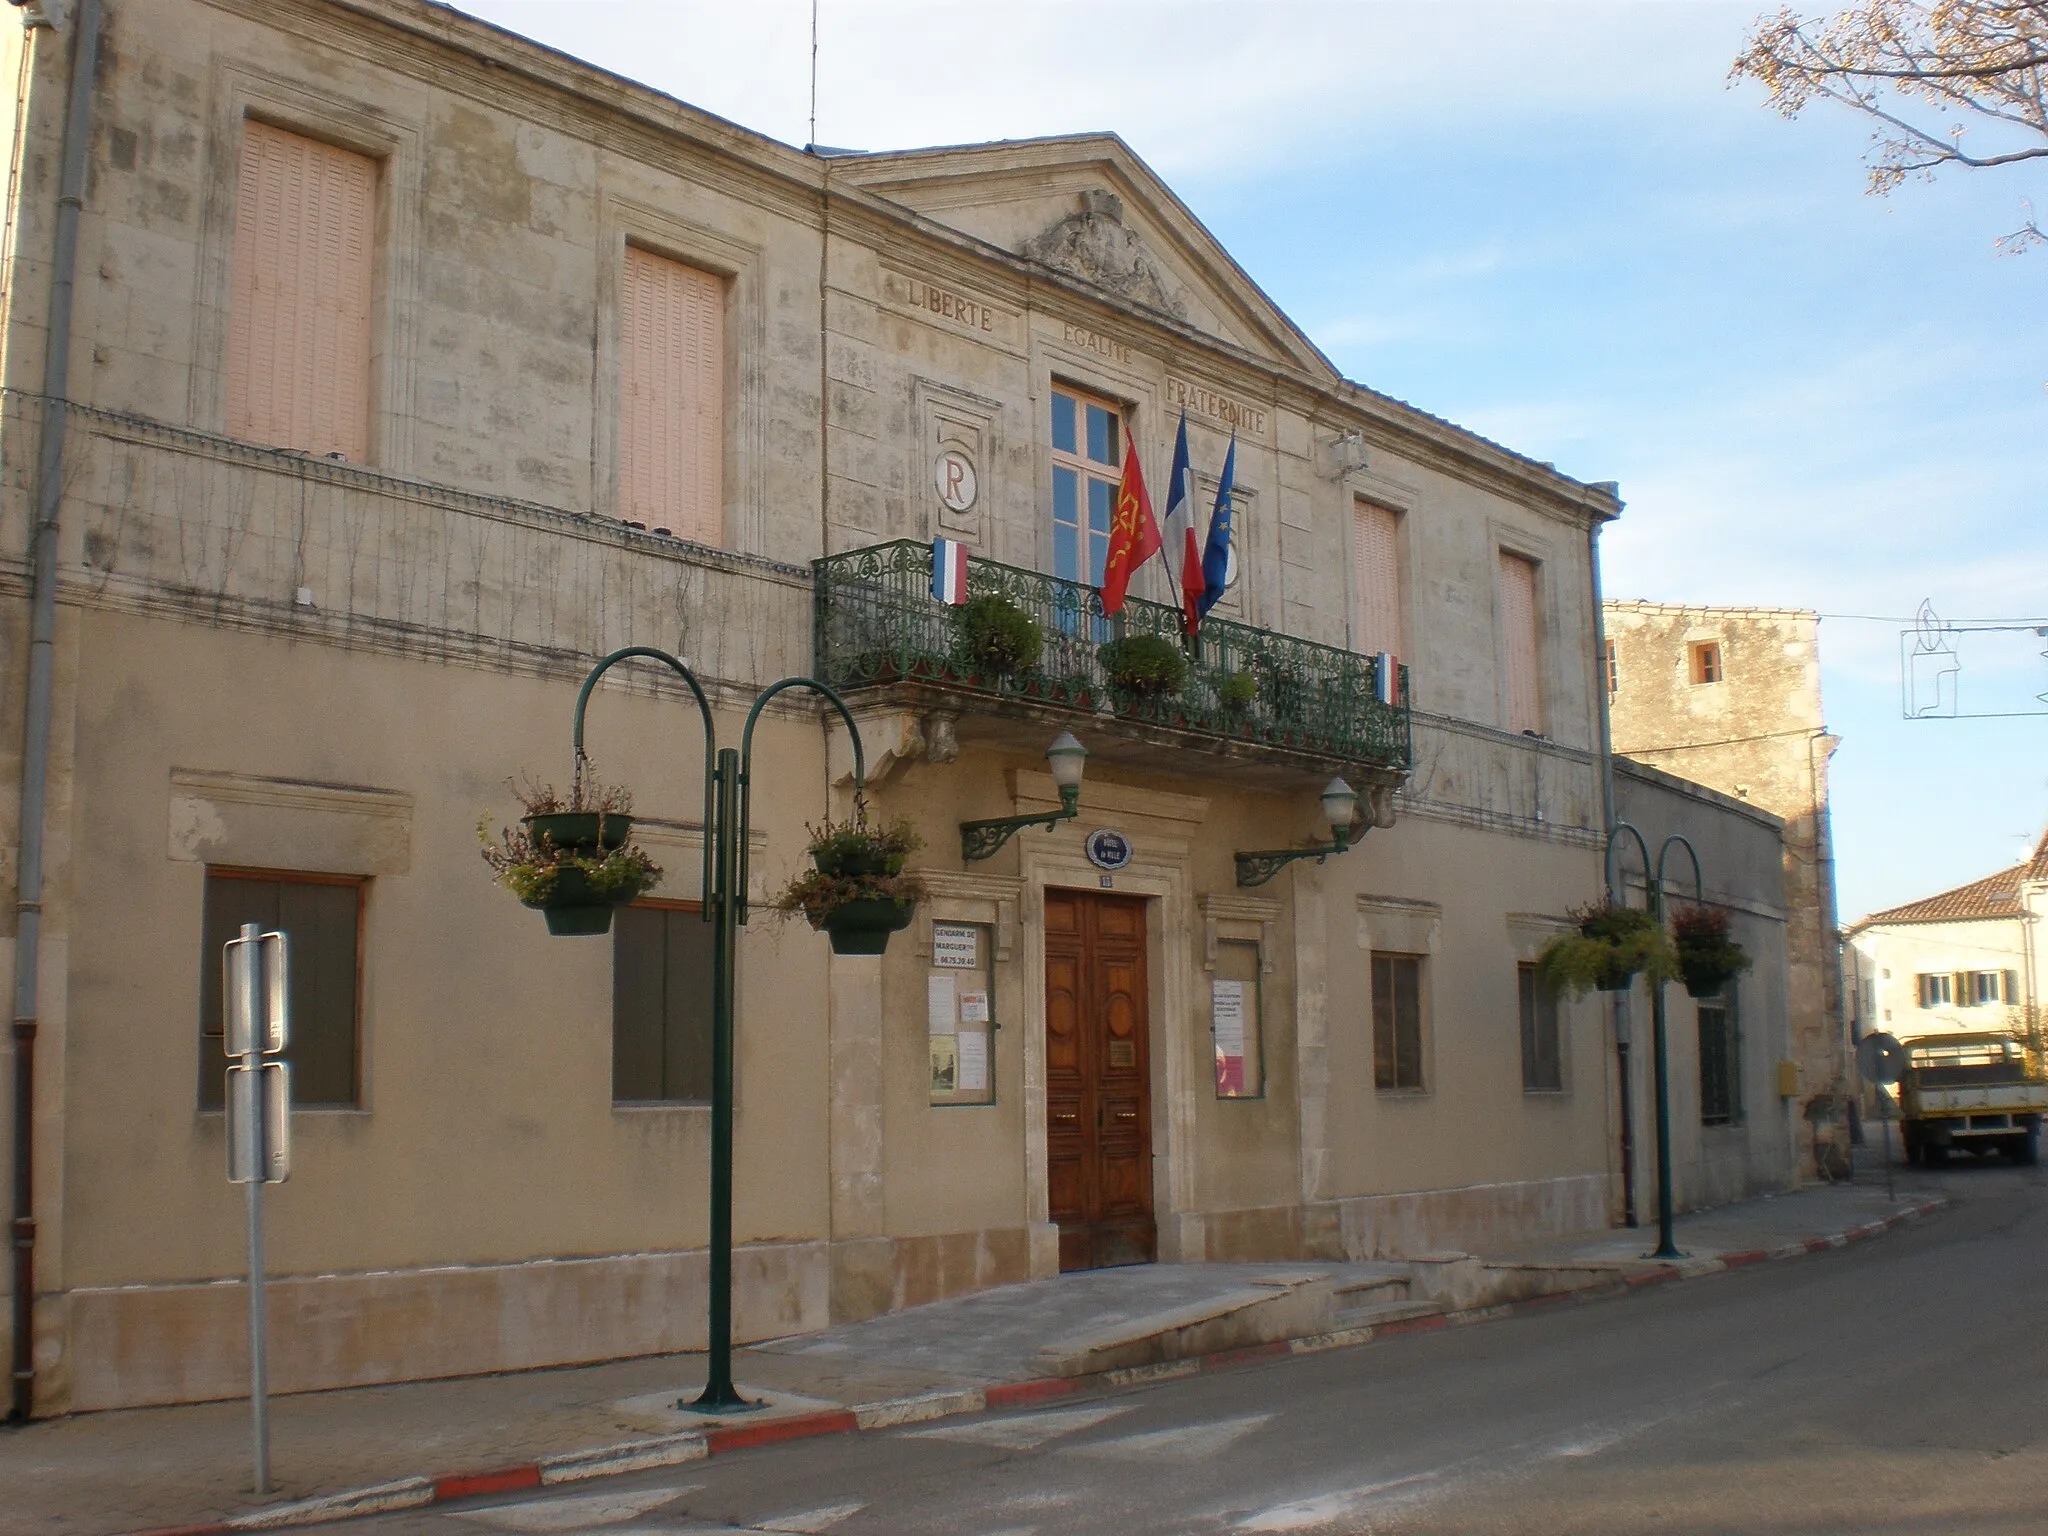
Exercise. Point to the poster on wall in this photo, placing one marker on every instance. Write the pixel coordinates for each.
(1226, 1003)
(973, 1051)
(959, 1021)
(945, 1057)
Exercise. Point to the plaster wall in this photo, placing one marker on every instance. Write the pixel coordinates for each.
(1739, 852)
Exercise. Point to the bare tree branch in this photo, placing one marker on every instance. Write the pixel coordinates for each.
(1924, 71)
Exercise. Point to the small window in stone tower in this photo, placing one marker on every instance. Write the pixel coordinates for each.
(1705, 656)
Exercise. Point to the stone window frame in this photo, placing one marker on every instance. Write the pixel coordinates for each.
(1085, 468)
(622, 222)
(1401, 500)
(1508, 539)
(1528, 933)
(242, 92)
(1404, 926)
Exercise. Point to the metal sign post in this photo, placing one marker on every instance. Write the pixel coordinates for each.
(1883, 1061)
(259, 1101)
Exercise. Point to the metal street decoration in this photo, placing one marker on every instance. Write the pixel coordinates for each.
(2008, 667)
(728, 801)
(1667, 1247)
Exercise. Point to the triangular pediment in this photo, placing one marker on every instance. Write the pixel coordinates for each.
(1091, 210)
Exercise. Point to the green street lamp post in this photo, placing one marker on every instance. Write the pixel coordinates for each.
(1667, 1247)
(728, 800)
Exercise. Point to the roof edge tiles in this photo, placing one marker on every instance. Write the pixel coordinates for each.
(1989, 898)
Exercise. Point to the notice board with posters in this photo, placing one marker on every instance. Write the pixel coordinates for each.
(960, 1020)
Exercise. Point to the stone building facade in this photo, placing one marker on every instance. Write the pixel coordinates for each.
(1730, 698)
(411, 369)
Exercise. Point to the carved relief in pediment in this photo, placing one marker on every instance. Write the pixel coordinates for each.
(1096, 246)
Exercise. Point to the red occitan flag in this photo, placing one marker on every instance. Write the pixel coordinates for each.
(1133, 535)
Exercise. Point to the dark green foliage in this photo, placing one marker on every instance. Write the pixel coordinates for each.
(998, 636)
(856, 860)
(1613, 945)
(1147, 665)
(1708, 959)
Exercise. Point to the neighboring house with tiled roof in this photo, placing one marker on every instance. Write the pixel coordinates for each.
(1962, 959)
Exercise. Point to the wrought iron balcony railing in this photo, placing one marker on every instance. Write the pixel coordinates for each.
(877, 623)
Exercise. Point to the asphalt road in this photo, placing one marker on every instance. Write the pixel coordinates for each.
(1899, 1386)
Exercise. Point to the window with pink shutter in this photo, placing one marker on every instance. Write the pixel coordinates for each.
(1519, 642)
(1376, 578)
(671, 396)
(299, 324)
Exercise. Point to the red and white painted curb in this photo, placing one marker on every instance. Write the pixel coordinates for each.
(695, 1445)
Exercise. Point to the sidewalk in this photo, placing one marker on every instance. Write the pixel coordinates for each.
(336, 1453)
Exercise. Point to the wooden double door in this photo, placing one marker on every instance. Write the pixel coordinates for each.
(1098, 1134)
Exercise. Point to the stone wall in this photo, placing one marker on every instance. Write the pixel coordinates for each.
(1759, 735)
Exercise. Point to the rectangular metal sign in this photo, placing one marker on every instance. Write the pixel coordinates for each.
(256, 991)
(271, 1163)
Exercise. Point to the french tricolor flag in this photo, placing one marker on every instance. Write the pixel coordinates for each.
(949, 571)
(1386, 678)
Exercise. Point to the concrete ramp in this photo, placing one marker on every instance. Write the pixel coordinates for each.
(1265, 1309)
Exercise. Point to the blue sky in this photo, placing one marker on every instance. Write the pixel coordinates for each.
(1555, 224)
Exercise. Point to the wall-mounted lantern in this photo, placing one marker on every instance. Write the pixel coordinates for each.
(1340, 805)
(1066, 758)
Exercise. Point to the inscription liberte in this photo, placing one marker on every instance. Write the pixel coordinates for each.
(956, 307)
(1236, 414)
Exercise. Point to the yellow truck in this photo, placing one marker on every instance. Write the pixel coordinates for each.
(1977, 1093)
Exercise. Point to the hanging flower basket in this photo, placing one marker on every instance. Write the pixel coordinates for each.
(1613, 945)
(580, 831)
(863, 847)
(1708, 959)
(857, 893)
(862, 927)
(571, 860)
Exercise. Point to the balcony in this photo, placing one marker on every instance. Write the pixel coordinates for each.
(1275, 705)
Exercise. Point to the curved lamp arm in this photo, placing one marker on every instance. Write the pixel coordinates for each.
(1699, 883)
(649, 653)
(746, 784)
(1614, 895)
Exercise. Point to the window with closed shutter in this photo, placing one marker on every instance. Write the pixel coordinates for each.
(1519, 642)
(1397, 1023)
(1542, 1049)
(672, 397)
(1376, 578)
(298, 360)
(321, 919)
(1720, 1055)
(661, 1005)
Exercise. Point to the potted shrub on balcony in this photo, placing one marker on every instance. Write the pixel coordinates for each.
(1708, 959)
(1237, 692)
(997, 637)
(1142, 667)
(1613, 945)
(856, 892)
(572, 859)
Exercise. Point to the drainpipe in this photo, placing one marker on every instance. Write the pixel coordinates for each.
(35, 755)
(1618, 1001)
